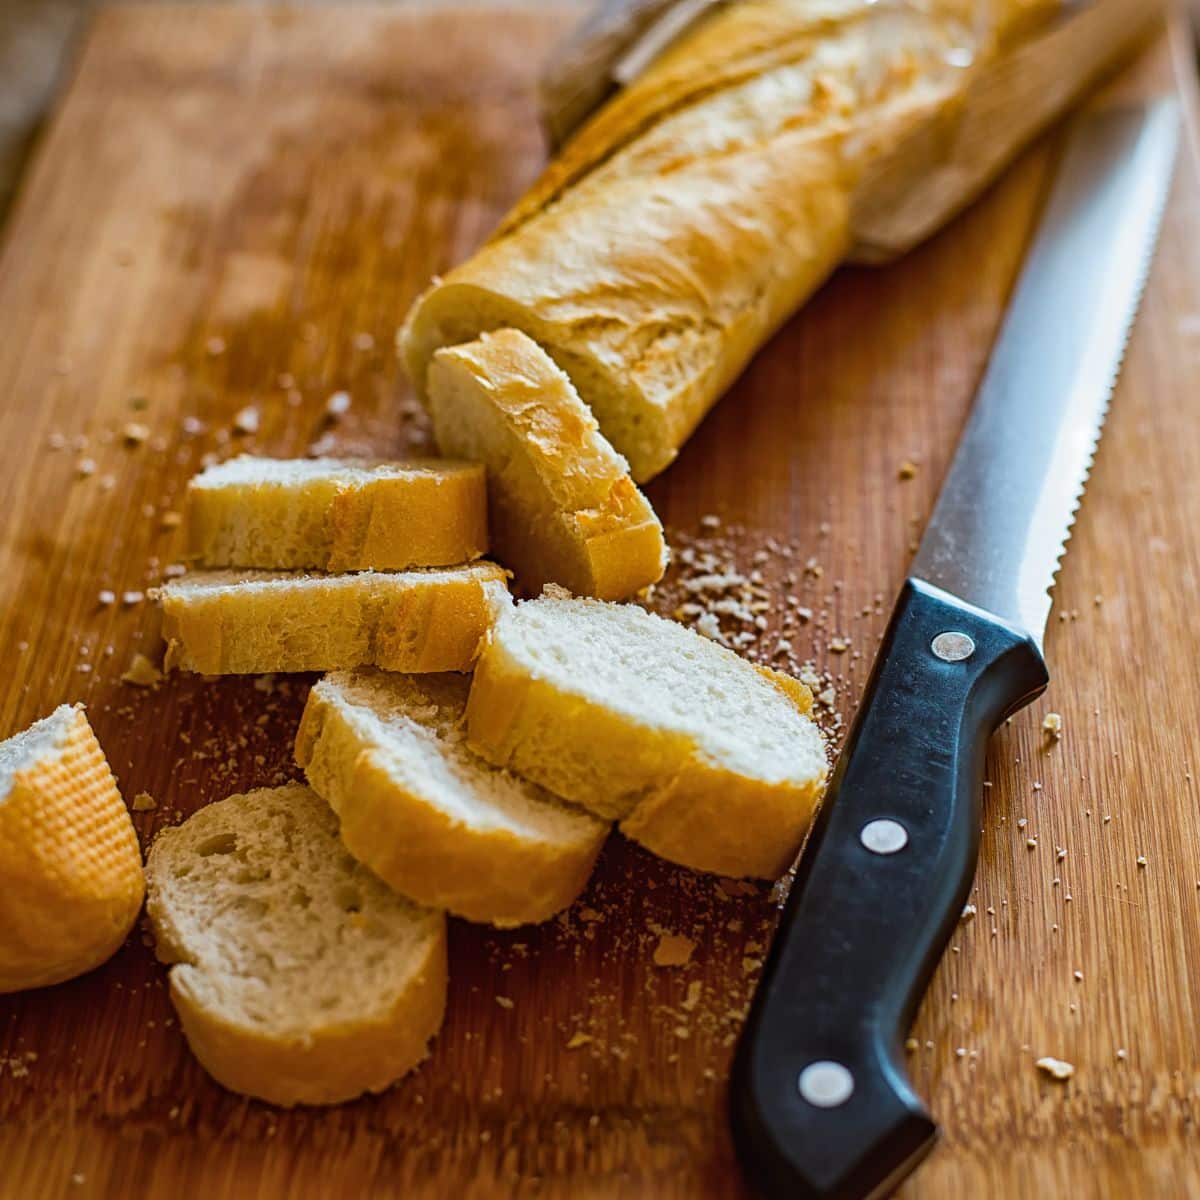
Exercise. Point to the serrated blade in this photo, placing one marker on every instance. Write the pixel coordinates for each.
(1002, 520)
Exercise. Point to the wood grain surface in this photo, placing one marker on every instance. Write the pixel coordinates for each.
(233, 208)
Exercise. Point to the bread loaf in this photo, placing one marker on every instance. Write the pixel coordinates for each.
(70, 866)
(697, 210)
(430, 817)
(562, 506)
(248, 622)
(702, 757)
(298, 976)
(336, 515)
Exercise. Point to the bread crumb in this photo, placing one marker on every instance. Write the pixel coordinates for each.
(338, 405)
(105, 598)
(129, 599)
(170, 520)
(694, 991)
(504, 1001)
(839, 645)
(673, 950)
(364, 341)
(710, 521)
(246, 420)
(1055, 1068)
(1052, 725)
(142, 672)
(1141, 860)
(143, 802)
(908, 470)
(215, 346)
(577, 1040)
(135, 433)
(85, 467)
(912, 1045)
(969, 912)
(1031, 843)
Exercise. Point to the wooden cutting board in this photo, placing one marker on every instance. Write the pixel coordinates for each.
(233, 208)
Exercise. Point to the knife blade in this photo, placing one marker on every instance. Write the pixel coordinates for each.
(820, 1101)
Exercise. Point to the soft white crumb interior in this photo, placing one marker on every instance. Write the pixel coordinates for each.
(666, 676)
(416, 724)
(42, 738)
(251, 469)
(274, 923)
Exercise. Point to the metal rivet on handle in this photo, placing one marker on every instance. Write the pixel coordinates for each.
(884, 836)
(826, 1084)
(952, 646)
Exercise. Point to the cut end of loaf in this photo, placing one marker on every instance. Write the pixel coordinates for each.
(41, 740)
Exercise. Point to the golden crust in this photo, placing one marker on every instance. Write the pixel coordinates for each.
(695, 212)
(492, 875)
(657, 783)
(563, 507)
(427, 517)
(70, 864)
(338, 1064)
(406, 622)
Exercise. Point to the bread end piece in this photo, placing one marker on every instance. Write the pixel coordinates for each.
(299, 978)
(562, 505)
(69, 857)
(426, 814)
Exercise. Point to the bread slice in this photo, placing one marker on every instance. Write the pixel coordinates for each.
(337, 515)
(70, 866)
(563, 508)
(246, 622)
(298, 976)
(703, 758)
(430, 817)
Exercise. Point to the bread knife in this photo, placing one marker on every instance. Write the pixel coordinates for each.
(821, 1103)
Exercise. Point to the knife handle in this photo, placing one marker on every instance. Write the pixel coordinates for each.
(822, 1107)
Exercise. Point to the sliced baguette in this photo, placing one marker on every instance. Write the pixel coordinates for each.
(563, 508)
(337, 515)
(298, 976)
(428, 816)
(70, 866)
(247, 622)
(702, 757)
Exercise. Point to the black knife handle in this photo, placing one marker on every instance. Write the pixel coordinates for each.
(863, 928)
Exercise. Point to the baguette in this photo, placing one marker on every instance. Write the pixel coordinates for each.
(702, 757)
(428, 816)
(335, 515)
(70, 866)
(251, 622)
(698, 209)
(299, 978)
(563, 507)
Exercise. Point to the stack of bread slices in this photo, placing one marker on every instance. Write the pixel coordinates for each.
(465, 753)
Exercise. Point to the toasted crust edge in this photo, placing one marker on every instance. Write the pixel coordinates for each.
(331, 1065)
(658, 784)
(495, 877)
